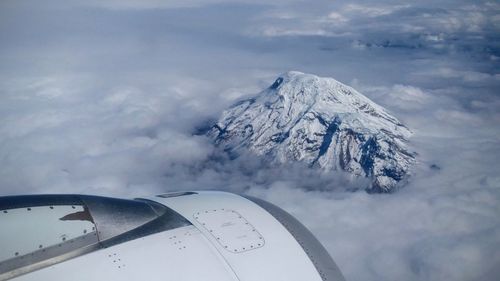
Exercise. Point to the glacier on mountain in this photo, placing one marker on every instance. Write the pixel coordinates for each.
(322, 123)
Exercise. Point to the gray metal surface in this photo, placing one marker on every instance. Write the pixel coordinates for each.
(113, 216)
(116, 221)
(48, 256)
(323, 262)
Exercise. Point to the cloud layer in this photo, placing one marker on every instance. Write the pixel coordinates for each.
(103, 98)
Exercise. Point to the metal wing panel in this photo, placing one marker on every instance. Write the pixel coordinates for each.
(280, 259)
(181, 254)
(41, 230)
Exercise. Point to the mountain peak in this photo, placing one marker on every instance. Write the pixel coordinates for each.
(321, 122)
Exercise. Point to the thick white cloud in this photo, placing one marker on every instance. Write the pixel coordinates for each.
(104, 98)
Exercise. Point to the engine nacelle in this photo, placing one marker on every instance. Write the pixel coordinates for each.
(183, 236)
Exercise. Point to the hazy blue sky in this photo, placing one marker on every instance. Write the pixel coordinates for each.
(102, 97)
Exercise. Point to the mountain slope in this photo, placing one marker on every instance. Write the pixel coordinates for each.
(320, 122)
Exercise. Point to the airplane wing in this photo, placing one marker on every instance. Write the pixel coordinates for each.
(184, 236)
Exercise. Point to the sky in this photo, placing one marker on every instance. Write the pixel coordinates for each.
(103, 97)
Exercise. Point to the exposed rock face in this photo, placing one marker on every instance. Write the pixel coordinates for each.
(320, 122)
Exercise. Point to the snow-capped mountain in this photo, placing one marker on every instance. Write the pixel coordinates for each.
(320, 122)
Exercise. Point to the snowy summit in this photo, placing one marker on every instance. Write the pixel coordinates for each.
(322, 123)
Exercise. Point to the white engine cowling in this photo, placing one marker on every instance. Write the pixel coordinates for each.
(188, 236)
